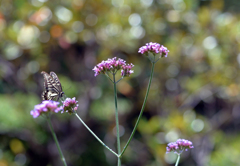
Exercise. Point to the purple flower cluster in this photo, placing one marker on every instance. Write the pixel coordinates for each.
(45, 107)
(113, 65)
(154, 48)
(70, 105)
(179, 146)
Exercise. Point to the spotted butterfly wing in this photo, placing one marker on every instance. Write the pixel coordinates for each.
(52, 85)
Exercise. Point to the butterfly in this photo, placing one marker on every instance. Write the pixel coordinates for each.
(53, 87)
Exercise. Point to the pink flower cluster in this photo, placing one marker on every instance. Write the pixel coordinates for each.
(45, 107)
(70, 105)
(113, 65)
(126, 70)
(179, 146)
(154, 48)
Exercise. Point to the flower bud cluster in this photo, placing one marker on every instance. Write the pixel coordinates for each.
(179, 146)
(70, 105)
(154, 48)
(113, 65)
(45, 107)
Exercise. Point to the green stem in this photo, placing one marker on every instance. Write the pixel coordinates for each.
(141, 112)
(56, 141)
(95, 135)
(177, 160)
(117, 123)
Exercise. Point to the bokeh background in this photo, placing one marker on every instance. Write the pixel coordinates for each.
(194, 95)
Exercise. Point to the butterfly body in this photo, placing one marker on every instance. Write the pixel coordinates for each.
(53, 87)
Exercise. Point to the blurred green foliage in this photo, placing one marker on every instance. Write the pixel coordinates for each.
(194, 93)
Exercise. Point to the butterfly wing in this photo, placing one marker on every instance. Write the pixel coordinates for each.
(52, 85)
(49, 95)
(57, 83)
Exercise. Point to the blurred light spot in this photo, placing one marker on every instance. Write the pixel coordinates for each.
(146, 3)
(20, 159)
(88, 37)
(190, 17)
(172, 84)
(173, 16)
(197, 125)
(171, 136)
(27, 35)
(224, 19)
(124, 88)
(233, 90)
(36, 3)
(71, 37)
(2, 24)
(78, 2)
(64, 15)
(137, 32)
(42, 16)
(125, 10)
(195, 28)
(170, 158)
(33, 67)
(189, 116)
(210, 42)
(222, 92)
(159, 26)
(12, 51)
(101, 34)
(91, 19)
(173, 70)
(121, 130)
(160, 137)
(56, 31)
(179, 5)
(43, 0)
(77, 26)
(113, 29)
(117, 3)
(135, 19)
(16, 146)
(18, 25)
(44, 37)
(95, 92)
(63, 43)
(206, 95)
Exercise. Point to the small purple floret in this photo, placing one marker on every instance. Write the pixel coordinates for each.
(45, 107)
(112, 66)
(70, 105)
(155, 48)
(179, 146)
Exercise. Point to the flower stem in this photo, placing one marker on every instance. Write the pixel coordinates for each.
(141, 112)
(117, 122)
(95, 135)
(177, 160)
(56, 141)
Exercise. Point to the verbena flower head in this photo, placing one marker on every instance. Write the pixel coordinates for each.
(179, 146)
(154, 48)
(45, 107)
(70, 105)
(112, 66)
